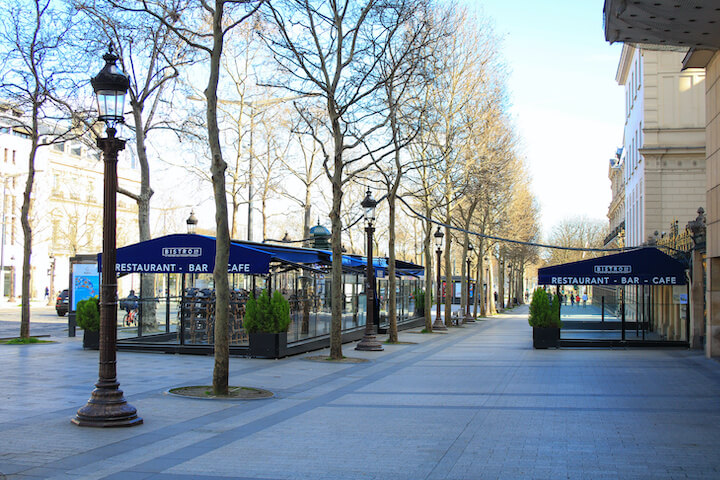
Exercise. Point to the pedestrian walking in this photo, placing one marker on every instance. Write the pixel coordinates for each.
(572, 299)
(584, 298)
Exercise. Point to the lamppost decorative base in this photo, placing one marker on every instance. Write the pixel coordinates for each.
(107, 408)
(439, 325)
(369, 344)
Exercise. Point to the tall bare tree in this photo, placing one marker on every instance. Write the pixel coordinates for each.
(152, 56)
(205, 28)
(405, 79)
(577, 232)
(37, 77)
(332, 49)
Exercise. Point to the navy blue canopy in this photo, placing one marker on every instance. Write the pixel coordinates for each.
(182, 253)
(297, 255)
(185, 253)
(645, 266)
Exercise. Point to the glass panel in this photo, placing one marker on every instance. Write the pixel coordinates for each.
(110, 104)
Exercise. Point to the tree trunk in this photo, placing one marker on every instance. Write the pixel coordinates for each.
(448, 273)
(501, 283)
(336, 239)
(463, 277)
(306, 217)
(336, 244)
(428, 274)
(148, 307)
(392, 281)
(222, 249)
(27, 233)
(491, 294)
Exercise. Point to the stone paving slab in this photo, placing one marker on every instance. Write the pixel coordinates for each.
(477, 403)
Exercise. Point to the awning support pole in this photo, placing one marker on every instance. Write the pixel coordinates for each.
(622, 313)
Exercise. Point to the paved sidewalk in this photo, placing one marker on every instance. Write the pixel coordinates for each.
(475, 403)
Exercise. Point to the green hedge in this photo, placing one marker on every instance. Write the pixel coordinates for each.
(87, 315)
(420, 302)
(267, 315)
(542, 312)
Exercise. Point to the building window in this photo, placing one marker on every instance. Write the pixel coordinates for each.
(59, 147)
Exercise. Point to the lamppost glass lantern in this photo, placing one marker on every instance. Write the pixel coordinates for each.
(192, 222)
(438, 237)
(369, 205)
(110, 86)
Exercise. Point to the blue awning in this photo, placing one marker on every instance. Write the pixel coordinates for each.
(182, 253)
(645, 266)
(297, 255)
(185, 253)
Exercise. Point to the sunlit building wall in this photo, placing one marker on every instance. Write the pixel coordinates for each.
(663, 140)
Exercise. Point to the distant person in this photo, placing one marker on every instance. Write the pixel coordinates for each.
(130, 305)
(577, 299)
(584, 298)
(572, 299)
(47, 293)
(130, 302)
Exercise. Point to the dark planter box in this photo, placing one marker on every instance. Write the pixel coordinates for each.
(91, 340)
(546, 337)
(268, 345)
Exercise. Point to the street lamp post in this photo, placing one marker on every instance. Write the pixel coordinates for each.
(486, 300)
(369, 342)
(107, 406)
(439, 324)
(468, 318)
(510, 286)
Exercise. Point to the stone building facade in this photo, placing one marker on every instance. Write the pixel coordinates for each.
(67, 207)
(663, 141)
(692, 26)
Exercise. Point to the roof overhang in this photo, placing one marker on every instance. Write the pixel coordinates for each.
(647, 23)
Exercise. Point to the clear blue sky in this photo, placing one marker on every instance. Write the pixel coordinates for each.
(565, 101)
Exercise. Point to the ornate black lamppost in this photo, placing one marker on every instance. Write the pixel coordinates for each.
(486, 300)
(369, 342)
(107, 407)
(192, 222)
(439, 324)
(468, 318)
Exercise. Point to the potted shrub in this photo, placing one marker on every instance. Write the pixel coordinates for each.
(267, 321)
(419, 303)
(544, 317)
(88, 318)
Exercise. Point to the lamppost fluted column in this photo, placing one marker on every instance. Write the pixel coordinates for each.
(369, 341)
(107, 406)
